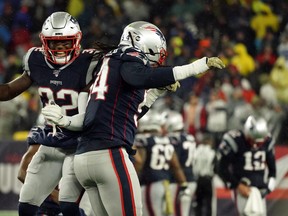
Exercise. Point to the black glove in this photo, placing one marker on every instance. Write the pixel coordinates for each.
(264, 192)
(184, 191)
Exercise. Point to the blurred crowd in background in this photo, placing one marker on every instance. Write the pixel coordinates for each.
(250, 36)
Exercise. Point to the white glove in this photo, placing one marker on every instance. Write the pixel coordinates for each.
(215, 62)
(271, 184)
(152, 95)
(53, 113)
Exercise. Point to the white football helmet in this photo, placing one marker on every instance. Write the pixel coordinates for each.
(174, 122)
(256, 131)
(61, 26)
(152, 121)
(148, 38)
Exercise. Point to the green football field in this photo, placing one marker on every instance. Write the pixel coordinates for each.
(8, 213)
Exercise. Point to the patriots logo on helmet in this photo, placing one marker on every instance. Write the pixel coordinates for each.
(157, 31)
(151, 28)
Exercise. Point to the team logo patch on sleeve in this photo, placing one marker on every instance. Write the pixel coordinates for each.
(135, 54)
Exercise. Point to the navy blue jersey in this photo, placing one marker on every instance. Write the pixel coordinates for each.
(185, 146)
(159, 152)
(49, 208)
(238, 159)
(115, 98)
(61, 84)
(43, 135)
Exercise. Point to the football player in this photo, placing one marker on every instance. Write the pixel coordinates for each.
(158, 160)
(244, 157)
(112, 111)
(185, 146)
(62, 71)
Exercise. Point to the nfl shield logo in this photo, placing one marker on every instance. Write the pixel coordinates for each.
(56, 73)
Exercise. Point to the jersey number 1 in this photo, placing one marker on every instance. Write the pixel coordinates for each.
(255, 161)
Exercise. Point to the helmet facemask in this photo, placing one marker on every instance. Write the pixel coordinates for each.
(61, 56)
(61, 28)
(158, 57)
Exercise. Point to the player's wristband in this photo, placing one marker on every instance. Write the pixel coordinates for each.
(192, 69)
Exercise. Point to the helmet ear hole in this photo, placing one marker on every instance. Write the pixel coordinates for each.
(151, 52)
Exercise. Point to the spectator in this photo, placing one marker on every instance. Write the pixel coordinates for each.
(262, 20)
(238, 109)
(194, 115)
(266, 59)
(282, 48)
(247, 91)
(279, 79)
(242, 60)
(142, 10)
(217, 117)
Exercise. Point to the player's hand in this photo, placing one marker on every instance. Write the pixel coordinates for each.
(264, 192)
(172, 88)
(270, 187)
(53, 113)
(244, 190)
(215, 62)
(184, 192)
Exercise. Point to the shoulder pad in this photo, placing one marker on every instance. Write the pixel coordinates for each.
(134, 54)
(231, 138)
(35, 49)
(26, 57)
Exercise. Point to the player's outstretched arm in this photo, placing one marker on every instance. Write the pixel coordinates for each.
(12, 89)
(197, 67)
